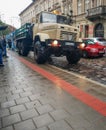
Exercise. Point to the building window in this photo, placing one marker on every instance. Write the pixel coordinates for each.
(87, 5)
(99, 30)
(98, 2)
(79, 6)
(42, 6)
(92, 4)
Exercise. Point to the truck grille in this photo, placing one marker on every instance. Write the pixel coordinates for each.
(66, 35)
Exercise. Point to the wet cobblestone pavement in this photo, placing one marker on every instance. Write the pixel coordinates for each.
(93, 68)
(30, 101)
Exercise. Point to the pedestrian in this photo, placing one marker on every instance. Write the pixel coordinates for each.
(4, 47)
(1, 51)
(9, 43)
(13, 45)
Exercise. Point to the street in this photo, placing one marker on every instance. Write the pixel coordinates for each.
(33, 97)
(92, 68)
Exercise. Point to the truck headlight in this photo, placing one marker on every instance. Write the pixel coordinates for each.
(82, 45)
(55, 43)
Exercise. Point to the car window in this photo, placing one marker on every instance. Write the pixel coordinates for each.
(101, 39)
(88, 41)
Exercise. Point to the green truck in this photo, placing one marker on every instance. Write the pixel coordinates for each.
(51, 34)
(23, 39)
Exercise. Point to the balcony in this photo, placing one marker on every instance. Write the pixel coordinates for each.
(96, 13)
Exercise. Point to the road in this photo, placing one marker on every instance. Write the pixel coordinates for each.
(93, 68)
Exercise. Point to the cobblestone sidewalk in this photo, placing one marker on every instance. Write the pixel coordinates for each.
(29, 101)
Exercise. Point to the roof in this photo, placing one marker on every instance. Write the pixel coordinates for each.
(26, 8)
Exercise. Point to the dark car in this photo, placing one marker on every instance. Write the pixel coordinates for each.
(89, 48)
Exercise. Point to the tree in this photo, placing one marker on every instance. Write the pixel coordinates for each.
(5, 29)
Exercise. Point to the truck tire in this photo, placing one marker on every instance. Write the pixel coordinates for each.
(73, 57)
(85, 54)
(39, 53)
(23, 49)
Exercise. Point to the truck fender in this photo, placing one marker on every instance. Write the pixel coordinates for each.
(42, 36)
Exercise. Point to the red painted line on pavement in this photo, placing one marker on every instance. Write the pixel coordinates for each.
(84, 97)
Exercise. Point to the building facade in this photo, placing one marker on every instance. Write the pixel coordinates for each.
(88, 15)
(91, 17)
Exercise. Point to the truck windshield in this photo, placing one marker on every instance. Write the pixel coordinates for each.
(48, 18)
(53, 18)
(61, 19)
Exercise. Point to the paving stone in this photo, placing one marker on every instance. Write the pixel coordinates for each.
(2, 90)
(33, 104)
(44, 109)
(0, 123)
(96, 127)
(7, 94)
(29, 114)
(4, 112)
(9, 120)
(2, 99)
(7, 104)
(46, 100)
(22, 100)
(10, 90)
(12, 97)
(43, 120)
(25, 125)
(92, 116)
(18, 108)
(59, 114)
(34, 97)
(17, 91)
(99, 124)
(25, 94)
(78, 122)
(43, 128)
(7, 128)
(29, 88)
(59, 125)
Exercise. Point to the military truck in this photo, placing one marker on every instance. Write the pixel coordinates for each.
(50, 35)
(23, 39)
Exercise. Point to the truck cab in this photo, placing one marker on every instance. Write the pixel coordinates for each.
(55, 26)
(52, 34)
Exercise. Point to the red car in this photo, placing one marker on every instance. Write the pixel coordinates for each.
(91, 49)
(99, 40)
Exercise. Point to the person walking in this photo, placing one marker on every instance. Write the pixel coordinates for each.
(9, 43)
(4, 47)
(1, 51)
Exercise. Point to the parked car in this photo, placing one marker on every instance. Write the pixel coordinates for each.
(99, 40)
(89, 48)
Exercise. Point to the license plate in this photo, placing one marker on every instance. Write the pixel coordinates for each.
(101, 52)
(69, 43)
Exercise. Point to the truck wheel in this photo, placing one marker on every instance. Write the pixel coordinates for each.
(73, 57)
(39, 54)
(18, 48)
(23, 50)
